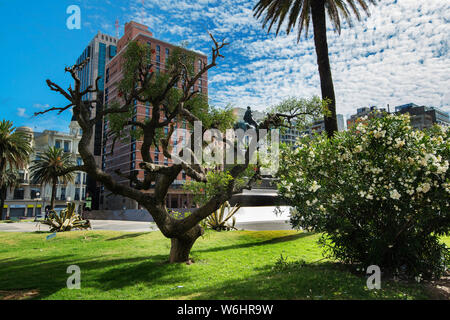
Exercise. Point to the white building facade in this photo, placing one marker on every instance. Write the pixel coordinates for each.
(29, 199)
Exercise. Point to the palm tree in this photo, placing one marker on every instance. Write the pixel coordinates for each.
(301, 12)
(51, 168)
(15, 149)
(8, 180)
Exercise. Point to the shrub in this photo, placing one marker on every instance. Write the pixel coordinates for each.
(218, 221)
(379, 192)
(67, 220)
(283, 265)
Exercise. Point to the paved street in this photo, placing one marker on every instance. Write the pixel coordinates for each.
(135, 226)
(96, 225)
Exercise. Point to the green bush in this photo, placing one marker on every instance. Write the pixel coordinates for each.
(379, 193)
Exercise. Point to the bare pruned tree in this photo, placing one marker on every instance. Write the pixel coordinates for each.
(170, 104)
(141, 83)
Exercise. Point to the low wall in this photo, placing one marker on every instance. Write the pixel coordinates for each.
(244, 215)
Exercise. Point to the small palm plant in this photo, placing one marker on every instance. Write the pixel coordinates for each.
(52, 169)
(219, 220)
(67, 220)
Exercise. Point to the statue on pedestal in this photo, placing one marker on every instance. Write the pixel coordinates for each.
(248, 123)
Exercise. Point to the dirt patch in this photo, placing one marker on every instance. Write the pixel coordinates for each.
(18, 294)
(439, 289)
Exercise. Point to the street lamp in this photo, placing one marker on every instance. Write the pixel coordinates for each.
(38, 194)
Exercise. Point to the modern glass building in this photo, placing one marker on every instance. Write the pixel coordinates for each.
(100, 50)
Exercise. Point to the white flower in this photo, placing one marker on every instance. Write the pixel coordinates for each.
(399, 143)
(314, 187)
(394, 194)
(425, 187)
(379, 134)
(443, 168)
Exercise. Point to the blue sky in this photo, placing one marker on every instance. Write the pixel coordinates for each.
(400, 54)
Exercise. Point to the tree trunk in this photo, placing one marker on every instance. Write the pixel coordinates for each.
(52, 203)
(323, 61)
(181, 246)
(2, 202)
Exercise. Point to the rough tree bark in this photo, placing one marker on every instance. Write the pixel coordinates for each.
(52, 201)
(2, 201)
(181, 246)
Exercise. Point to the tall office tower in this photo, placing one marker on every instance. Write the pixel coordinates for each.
(100, 50)
(127, 156)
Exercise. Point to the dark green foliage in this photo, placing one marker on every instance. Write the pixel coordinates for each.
(379, 192)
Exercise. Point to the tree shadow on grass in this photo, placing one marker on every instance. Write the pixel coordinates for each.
(49, 275)
(128, 236)
(314, 281)
(256, 243)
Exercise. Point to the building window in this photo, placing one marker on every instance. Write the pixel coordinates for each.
(58, 144)
(101, 65)
(107, 75)
(19, 194)
(34, 193)
(167, 55)
(66, 146)
(78, 179)
(158, 58)
(63, 193)
(77, 194)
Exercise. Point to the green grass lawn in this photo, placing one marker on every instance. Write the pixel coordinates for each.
(229, 265)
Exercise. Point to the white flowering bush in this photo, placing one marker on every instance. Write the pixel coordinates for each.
(379, 193)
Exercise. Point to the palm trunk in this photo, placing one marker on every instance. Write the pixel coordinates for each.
(326, 80)
(3, 191)
(2, 201)
(52, 203)
(181, 246)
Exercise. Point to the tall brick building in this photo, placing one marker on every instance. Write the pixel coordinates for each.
(126, 156)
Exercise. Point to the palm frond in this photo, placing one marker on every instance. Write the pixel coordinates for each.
(298, 12)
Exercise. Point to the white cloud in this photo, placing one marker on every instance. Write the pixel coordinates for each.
(21, 112)
(399, 54)
(41, 106)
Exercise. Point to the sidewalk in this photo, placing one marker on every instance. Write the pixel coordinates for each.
(137, 226)
(132, 226)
